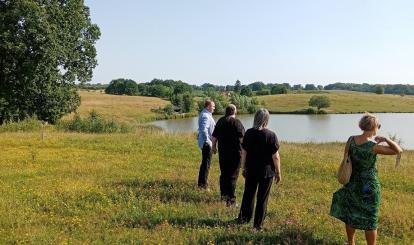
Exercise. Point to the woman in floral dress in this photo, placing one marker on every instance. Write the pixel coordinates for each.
(357, 203)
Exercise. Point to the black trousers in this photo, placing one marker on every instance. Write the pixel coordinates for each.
(229, 172)
(262, 186)
(205, 166)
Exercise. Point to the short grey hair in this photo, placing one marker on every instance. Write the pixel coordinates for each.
(261, 119)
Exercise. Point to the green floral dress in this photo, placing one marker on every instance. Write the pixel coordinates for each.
(357, 203)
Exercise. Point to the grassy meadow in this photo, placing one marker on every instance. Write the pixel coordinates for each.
(341, 102)
(141, 188)
(129, 109)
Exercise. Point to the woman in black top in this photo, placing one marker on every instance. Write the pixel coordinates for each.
(261, 162)
(228, 133)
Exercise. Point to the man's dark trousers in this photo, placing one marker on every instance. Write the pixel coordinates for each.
(205, 166)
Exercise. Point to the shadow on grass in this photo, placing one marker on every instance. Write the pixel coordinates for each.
(200, 222)
(150, 222)
(180, 203)
(291, 236)
(166, 191)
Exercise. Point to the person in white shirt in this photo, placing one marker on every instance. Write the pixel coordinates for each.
(206, 126)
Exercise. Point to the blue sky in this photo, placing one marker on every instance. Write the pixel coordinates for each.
(308, 41)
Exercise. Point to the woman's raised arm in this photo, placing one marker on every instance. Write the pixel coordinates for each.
(391, 149)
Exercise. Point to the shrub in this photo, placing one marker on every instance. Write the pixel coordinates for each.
(320, 101)
(188, 102)
(220, 101)
(169, 110)
(200, 105)
(27, 125)
(379, 89)
(252, 109)
(94, 123)
(247, 91)
(244, 104)
(263, 92)
(310, 110)
(219, 107)
(279, 89)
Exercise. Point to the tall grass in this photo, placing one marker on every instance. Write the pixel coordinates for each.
(141, 188)
(94, 123)
(126, 109)
(28, 125)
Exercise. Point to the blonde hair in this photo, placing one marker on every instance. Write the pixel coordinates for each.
(261, 119)
(368, 122)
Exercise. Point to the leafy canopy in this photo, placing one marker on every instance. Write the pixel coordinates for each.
(122, 86)
(45, 46)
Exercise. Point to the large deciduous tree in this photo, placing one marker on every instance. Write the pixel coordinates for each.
(237, 86)
(122, 86)
(45, 47)
(246, 90)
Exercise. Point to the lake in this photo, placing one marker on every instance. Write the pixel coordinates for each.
(314, 128)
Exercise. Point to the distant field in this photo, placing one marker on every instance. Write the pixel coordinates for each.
(341, 102)
(131, 109)
(141, 188)
(137, 109)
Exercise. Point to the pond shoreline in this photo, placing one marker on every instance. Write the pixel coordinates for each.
(195, 114)
(334, 113)
(319, 128)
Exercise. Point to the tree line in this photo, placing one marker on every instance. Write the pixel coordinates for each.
(178, 92)
(260, 88)
(166, 88)
(182, 94)
(401, 89)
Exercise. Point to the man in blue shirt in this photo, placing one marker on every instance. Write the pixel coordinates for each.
(206, 126)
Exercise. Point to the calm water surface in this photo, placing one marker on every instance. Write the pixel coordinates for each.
(315, 128)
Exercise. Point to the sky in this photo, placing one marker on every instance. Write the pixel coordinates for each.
(221, 41)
